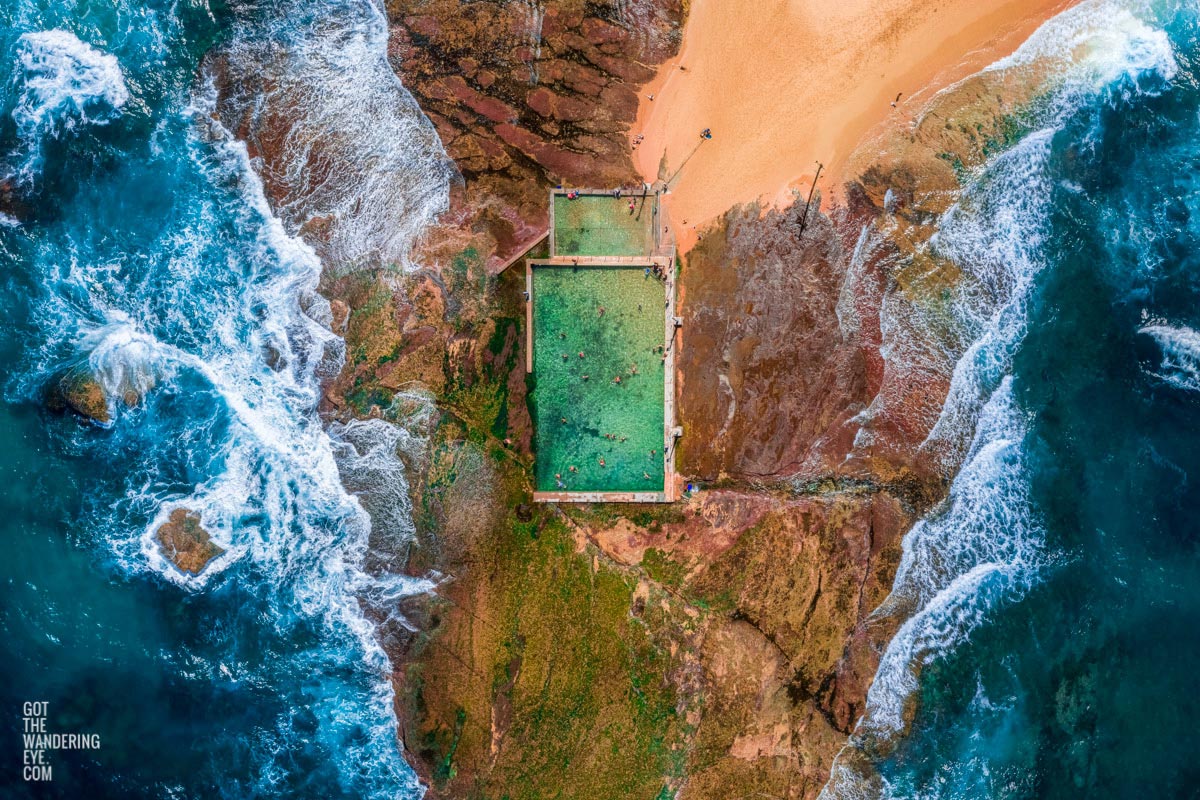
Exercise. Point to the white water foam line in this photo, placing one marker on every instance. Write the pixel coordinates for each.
(355, 150)
(982, 547)
(191, 322)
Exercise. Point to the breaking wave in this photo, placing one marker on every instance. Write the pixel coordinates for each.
(984, 547)
(63, 84)
(1180, 346)
(346, 152)
(171, 279)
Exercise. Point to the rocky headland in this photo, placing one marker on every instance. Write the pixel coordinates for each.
(712, 648)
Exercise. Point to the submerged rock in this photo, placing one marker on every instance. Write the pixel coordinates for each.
(185, 543)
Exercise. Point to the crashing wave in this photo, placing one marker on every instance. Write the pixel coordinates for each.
(346, 152)
(983, 547)
(1180, 346)
(64, 84)
(220, 332)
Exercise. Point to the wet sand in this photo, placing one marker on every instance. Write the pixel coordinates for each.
(784, 84)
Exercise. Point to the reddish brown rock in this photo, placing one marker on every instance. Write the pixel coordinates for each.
(80, 392)
(521, 108)
(185, 543)
(748, 606)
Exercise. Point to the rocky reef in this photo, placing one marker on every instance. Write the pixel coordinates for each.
(708, 649)
(78, 391)
(739, 624)
(526, 95)
(184, 542)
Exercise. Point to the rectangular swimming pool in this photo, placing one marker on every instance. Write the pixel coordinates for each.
(599, 343)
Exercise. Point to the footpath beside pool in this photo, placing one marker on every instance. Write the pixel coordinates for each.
(602, 336)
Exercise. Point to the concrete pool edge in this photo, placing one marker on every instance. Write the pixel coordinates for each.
(671, 335)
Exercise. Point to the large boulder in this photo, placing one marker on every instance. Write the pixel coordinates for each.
(80, 392)
(185, 543)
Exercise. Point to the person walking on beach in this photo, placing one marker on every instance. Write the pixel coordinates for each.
(897, 100)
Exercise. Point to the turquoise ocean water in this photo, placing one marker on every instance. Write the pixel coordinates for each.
(139, 242)
(1052, 604)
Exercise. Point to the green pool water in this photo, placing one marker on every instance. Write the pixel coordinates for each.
(567, 321)
(601, 225)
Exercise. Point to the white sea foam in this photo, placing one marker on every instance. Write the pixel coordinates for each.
(982, 547)
(994, 234)
(355, 151)
(368, 457)
(213, 324)
(125, 361)
(64, 83)
(1101, 51)
(1180, 346)
(282, 468)
(1101, 44)
(242, 332)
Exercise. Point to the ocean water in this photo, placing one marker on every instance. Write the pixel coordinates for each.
(139, 243)
(1052, 619)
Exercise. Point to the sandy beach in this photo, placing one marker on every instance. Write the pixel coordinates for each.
(785, 84)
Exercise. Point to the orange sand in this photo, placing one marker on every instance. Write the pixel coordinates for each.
(784, 84)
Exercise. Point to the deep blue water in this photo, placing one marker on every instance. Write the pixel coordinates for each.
(1053, 651)
(140, 246)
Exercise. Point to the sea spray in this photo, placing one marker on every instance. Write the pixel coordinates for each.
(63, 84)
(982, 548)
(1180, 347)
